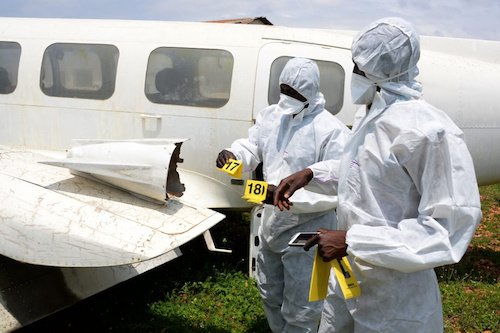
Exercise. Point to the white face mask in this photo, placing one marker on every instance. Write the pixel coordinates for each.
(290, 105)
(362, 89)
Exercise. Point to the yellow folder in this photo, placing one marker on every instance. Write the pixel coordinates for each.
(346, 278)
(321, 274)
(319, 278)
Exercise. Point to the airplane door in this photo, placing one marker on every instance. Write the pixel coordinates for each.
(335, 67)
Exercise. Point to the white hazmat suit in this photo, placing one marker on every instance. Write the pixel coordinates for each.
(288, 137)
(407, 190)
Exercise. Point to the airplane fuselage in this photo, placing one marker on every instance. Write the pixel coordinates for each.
(103, 79)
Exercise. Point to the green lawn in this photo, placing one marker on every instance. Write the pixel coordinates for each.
(471, 289)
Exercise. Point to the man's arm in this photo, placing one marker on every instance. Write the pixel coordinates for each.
(448, 211)
(289, 185)
(321, 177)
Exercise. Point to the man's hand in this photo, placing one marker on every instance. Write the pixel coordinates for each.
(331, 244)
(289, 185)
(224, 157)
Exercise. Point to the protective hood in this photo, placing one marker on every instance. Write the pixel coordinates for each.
(303, 75)
(387, 51)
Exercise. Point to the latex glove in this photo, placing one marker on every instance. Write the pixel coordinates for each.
(331, 244)
(223, 158)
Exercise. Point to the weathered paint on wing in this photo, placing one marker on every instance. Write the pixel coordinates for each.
(51, 217)
(66, 237)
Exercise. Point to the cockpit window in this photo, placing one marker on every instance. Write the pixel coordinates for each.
(191, 77)
(332, 77)
(10, 54)
(79, 70)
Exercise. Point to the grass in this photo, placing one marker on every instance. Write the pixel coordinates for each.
(470, 290)
(211, 292)
(218, 304)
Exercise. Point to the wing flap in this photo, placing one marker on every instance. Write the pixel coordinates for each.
(50, 217)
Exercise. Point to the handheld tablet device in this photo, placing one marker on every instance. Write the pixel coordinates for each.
(300, 238)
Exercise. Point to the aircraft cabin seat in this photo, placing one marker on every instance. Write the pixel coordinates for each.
(169, 84)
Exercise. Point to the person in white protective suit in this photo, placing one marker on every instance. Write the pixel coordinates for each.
(407, 191)
(287, 137)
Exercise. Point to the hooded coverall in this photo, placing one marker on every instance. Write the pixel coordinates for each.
(288, 139)
(407, 190)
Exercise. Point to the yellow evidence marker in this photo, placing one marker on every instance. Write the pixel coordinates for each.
(233, 168)
(255, 191)
(321, 274)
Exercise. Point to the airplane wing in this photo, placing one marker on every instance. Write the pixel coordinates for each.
(52, 217)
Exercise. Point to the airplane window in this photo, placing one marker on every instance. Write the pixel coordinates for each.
(79, 70)
(191, 77)
(332, 78)
(10, 53)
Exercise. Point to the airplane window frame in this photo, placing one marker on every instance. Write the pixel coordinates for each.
(89, 72)
(193, 68)
(10, 57)
(332, 80)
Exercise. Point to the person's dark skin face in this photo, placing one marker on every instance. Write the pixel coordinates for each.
(292, 183)
(358, 71)
(289, 91)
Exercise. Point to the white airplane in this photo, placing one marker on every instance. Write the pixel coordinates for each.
(96, 114)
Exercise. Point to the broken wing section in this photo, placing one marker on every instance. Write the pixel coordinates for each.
(51, 217)
(143, 167)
